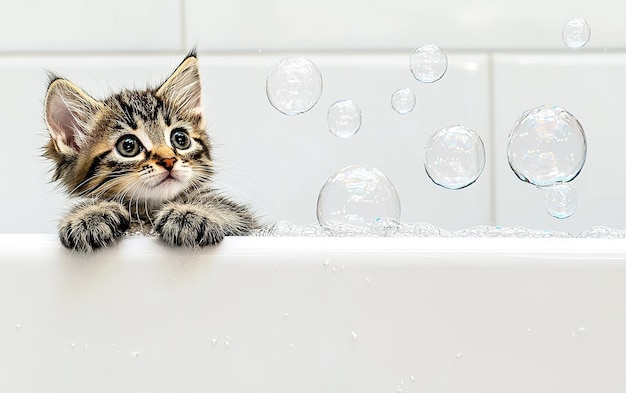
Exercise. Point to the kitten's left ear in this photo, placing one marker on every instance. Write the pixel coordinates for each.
(183, 87)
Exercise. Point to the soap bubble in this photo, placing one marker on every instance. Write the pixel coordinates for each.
(576, 33)
(560, 200)
(293, 85)
(344, 118)
(454, 157)
(428, 63)
(356, 196)
(547, 145)
(403, 101)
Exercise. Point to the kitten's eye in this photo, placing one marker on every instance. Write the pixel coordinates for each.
(180, 139)
(128, 146)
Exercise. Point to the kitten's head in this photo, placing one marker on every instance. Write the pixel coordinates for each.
(135, 145)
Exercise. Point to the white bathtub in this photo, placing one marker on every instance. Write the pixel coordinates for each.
(264, 314)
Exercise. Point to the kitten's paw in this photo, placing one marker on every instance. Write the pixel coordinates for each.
(187, 226)
(91, 226)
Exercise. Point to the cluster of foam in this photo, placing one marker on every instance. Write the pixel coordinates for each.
(394, 228)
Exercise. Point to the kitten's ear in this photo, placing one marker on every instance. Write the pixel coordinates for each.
(69, 111)
(183, 87)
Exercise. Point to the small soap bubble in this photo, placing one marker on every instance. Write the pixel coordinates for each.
(344, 119)
(546, 146)
(576, 33)
(136, 354)
(403, 101)
(582, 330)
(428, 63)
(560, 200)
(354, 197)
(454, 157)
(294, 85)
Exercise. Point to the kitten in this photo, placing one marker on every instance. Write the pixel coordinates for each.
(138, 157)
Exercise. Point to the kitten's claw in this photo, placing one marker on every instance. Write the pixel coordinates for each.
(91, 226)
(187, 226)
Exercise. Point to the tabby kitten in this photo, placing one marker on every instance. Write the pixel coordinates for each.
(138, 157)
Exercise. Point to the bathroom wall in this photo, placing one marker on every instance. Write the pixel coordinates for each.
(504, 58)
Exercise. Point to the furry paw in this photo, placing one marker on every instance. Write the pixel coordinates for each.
(187, 226)
(91, 226)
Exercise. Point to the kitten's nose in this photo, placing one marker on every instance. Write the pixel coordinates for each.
(167, 163)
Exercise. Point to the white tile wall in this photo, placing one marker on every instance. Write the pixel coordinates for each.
(504, 58)
(397, 24)
(96, 25)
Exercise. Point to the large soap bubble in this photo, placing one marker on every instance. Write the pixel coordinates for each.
(454, 157)
(428, 63)
(547, 145)
(294, 85)
(576, 33)
(357, 196)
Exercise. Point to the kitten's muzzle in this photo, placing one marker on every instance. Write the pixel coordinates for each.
(167, 163)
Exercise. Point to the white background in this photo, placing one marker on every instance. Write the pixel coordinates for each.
(505, 57)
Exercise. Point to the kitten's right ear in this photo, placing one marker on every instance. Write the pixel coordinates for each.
(69, 113)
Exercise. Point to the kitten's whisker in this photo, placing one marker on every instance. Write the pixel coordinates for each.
(95, 177)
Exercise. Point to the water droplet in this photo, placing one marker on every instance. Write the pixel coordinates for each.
(355, 196)
(529, 330)
(136, 354)
(573, 335)
(367, 280)
(576, 33)
(428, 63)
(85, 346)
(412, 378)
(227, 341)
(454, 157)
(403, 101)
(582, 330)
(214, 341)
(546, 146)
(290, 346)
(326, 262)
(18, 326)
(458, 355)
(73, 345)
(354, 336)
(294, 85)
(560, 200)
(334, 269)
(286, 315)
(344, 119)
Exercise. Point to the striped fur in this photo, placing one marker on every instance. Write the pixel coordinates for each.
(138, 156)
